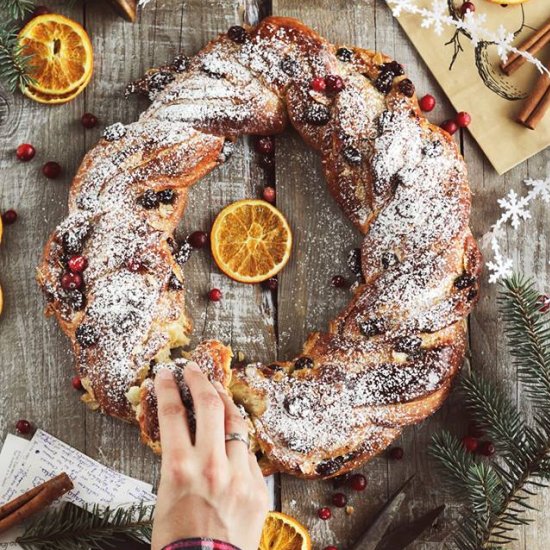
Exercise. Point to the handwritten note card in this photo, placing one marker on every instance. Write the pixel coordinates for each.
(25, 464)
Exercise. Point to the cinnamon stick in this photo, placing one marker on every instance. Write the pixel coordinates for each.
(33, 501)
(126, 8)
(533, 45)
(537, 103)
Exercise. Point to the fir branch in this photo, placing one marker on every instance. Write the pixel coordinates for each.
(528, 333)
(15, 9)
(14, 64)
(496, 494)
(97, 528)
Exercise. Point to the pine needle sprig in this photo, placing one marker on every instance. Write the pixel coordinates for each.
(528, 332)
(496, 493)
(97, 528)
(14, 64)
(16, 9)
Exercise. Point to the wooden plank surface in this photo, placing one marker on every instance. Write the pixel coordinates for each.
(35, 366)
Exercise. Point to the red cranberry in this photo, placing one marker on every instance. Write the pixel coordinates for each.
(71, 281)
(198, 239)
(268, 194)
(470, 443)
(324, 513)
(23, 426)
(51, 170)
(396, 453)
(358, 482)
(318, 84)
(271, 284)
(543, 301)
(339, 500)
(88, 120)
(450, 126)
(215, 295)
(40, 10)
(25, 152)
(338, 281)
(9, 217)
(334, 84)
(76, 383)
(265, 145)
(474, 430)
(467, 7)
(77, 264)
(427, 103)
(486, 448)
(463, 119)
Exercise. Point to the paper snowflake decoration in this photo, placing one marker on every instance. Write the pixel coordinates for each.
(436, 18)
(503, 41)
(515, 209)
(541, 188)
(501, 268)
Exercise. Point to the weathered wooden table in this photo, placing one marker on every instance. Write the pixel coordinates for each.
(35, 364)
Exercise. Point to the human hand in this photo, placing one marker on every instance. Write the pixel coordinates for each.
(210, 488)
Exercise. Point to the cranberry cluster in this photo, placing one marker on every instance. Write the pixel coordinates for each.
(72, 280)
(265, 147)
(356, 482)
(331, 84)
(461, 120)
(473, 444)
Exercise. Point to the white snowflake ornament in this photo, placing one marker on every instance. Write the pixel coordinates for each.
(438, 17)
(514, 208)
(503, 41)
(540, 188)
(500, 269)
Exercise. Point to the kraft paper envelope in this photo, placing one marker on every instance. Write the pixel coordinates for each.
(475, 83)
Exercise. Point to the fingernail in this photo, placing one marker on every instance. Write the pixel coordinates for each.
(192, 366)
(164, 374)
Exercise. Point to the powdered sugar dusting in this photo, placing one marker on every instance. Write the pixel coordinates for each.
(399, 180)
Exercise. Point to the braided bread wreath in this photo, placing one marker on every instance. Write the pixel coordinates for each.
(387, 360)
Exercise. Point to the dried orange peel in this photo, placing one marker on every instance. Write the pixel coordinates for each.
(283, 532)
(251, 241)
(54, 99)
(61, 58)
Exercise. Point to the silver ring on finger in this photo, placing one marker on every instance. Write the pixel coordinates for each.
(235, 436)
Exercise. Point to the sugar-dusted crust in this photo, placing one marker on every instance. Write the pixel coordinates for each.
(388, 359)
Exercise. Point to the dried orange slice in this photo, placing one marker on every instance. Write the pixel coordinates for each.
(33, 93)
(251, 241)
(61, 54)
(282, 532)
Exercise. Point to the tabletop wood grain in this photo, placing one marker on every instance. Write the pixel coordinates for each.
(35, 363)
